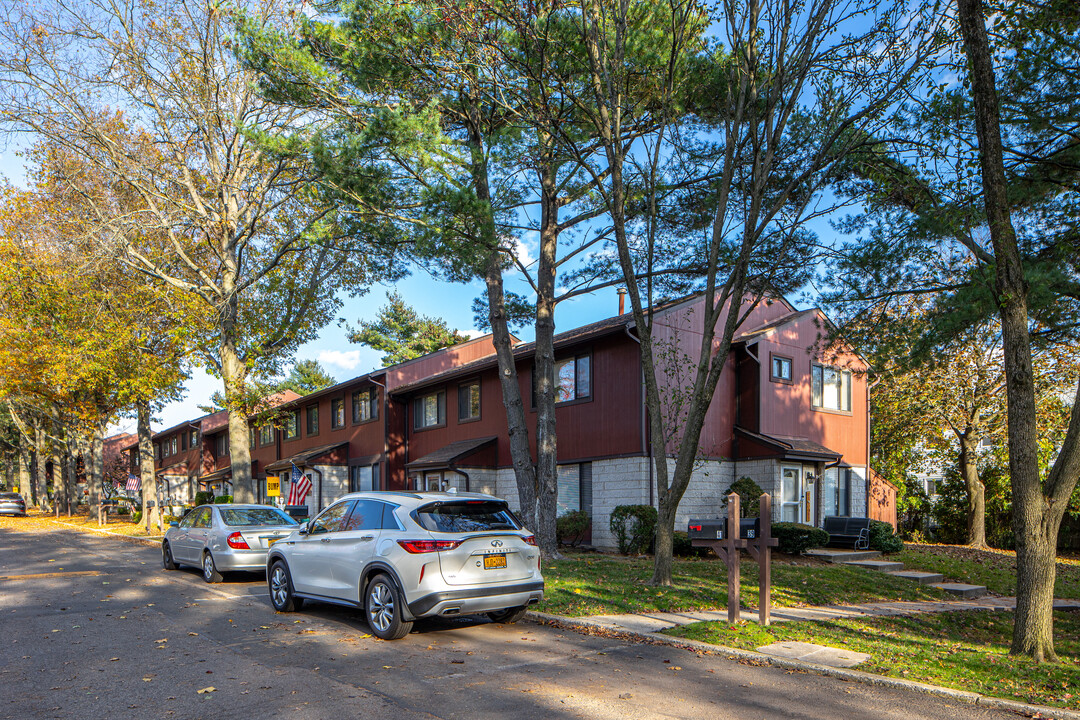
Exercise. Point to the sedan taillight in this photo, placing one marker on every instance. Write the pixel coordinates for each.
(417, 547)
(530, 540)
(237, 542)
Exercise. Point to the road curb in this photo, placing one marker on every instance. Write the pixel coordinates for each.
(121, 536)
(971, 698)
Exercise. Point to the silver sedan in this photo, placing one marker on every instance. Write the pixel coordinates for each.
(223, 538)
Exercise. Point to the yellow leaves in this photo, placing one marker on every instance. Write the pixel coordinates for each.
(206, 690)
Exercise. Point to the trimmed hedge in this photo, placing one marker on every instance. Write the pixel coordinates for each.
(682, 547)
(571, 527)
(883, 538)
(204, 497)
(222, 499)
(633, 527)
(796, 538)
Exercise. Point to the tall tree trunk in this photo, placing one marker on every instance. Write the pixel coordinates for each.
(26, 486)
(1036, 514)
(234, 375)
(976, 491)
(71, 473)
(547, 473)
(96, 468)
(147, 471)
(41, 477)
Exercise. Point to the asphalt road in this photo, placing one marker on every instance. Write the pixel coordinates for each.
(94, 628)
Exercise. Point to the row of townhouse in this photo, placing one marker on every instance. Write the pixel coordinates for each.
(785, 414)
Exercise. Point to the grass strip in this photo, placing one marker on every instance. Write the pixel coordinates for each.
(996, 569)
(964, 650)
(582, 585)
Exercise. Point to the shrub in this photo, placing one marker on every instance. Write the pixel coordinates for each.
(571, 527)
(204, 497)
(883, 538)
(221, 499)
(682, 547)
(749, 493)
(136, 517)
(795, 538)
(633, 527)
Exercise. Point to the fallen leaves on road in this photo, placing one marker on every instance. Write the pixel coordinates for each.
(206, 690)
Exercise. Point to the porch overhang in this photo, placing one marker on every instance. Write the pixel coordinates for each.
(447, 456)
(224, 474)
(786, 448)
(309, 456)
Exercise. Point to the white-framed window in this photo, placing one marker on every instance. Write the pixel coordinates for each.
(831, 388)
(429, 410)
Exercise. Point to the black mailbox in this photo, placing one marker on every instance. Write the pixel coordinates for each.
(716, 529)
(712, 529)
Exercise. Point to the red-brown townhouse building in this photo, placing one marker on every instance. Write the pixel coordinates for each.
(786, 413)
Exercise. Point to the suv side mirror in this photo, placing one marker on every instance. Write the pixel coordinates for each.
(303, 529)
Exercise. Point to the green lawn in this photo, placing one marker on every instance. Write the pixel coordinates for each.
(963, 650)
(591, 584)
(996, 569)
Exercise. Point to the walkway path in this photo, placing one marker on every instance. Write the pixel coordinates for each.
(654, 622)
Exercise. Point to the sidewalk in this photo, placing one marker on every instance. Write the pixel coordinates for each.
(655, 622)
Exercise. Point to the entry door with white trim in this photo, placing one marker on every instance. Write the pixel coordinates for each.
(791, 494)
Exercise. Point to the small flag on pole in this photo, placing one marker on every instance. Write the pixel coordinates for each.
(134, 484)
(299, 486)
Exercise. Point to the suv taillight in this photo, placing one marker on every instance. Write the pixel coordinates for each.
(237, 542)
(530, 540)
(417, 547)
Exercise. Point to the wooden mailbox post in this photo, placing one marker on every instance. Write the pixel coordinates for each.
(759, 544)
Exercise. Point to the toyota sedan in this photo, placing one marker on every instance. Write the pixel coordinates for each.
(224, 538)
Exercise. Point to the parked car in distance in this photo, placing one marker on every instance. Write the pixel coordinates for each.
(404, 556)
(224, 538)
(12, 503)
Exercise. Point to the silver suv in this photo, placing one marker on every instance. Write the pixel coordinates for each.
(405, 556)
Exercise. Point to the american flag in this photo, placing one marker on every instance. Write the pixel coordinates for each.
(299, 486)
(134, 484)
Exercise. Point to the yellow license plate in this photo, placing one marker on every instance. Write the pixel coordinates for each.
(494, 562)
(271, 541)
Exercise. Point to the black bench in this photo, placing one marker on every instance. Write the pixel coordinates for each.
(846, 531)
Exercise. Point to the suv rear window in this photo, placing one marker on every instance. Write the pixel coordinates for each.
(466, 516)
(255, 516)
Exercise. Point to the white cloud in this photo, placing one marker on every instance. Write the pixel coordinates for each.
(345, 359)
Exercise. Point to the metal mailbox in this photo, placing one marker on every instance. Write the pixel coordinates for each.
(716, 529)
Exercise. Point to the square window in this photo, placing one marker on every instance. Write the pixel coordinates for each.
(781, 368)
(364, 407)
(469, 401)
(831, 388)
(429, 410)
(573, 379)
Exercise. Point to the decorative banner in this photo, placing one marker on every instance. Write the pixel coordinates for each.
(273, 486)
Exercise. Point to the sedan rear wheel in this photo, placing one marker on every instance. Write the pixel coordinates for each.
(167, 561)
(209, 571)
(383, 607)
(281, 589)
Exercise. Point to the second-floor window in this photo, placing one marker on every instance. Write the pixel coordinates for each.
(831, 388)
(222, 446)
(290, 426)
(572, 381)
(194, 438)
(429, 410)
(363, 406)
(266, 434)
(171, 446)
(312, 413)
(337, 413)
(468, 401)
(157, 450)
(781, 369)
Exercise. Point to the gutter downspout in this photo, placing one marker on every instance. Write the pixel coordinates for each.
(646, 446)
(320, 498)
(462, 473)
(384, 464)
(868, 480)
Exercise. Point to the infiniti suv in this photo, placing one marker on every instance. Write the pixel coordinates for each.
(404, 556)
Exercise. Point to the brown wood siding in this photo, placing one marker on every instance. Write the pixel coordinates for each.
(436, 362)
(787, 411)
(608, 424)
(747, 411)
(681, 327)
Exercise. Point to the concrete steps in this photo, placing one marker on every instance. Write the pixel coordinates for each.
(961, 590)
(923, 578)
(842, 556)
(879, 565)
